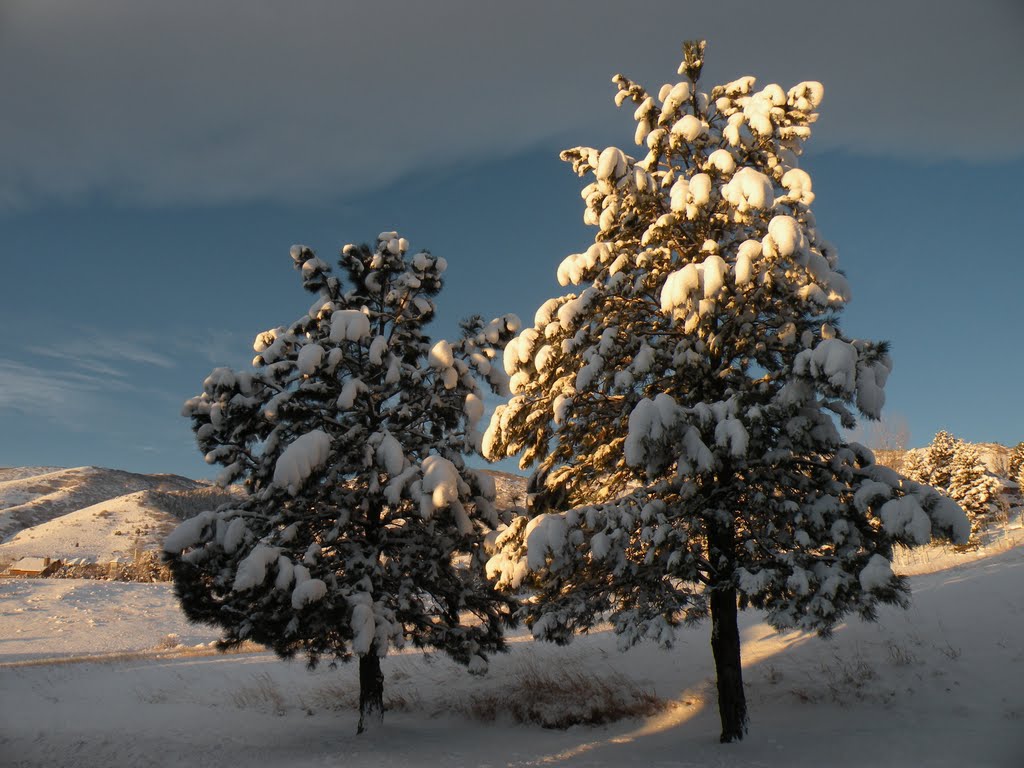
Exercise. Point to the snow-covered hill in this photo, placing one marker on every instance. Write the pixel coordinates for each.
(31, 496)
(97, 515)
(510, 489)
(8, 474)
(112, 530)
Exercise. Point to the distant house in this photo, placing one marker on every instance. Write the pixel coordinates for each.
(33, 566)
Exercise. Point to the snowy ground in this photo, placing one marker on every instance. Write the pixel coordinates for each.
(62, 618)
(939, 685)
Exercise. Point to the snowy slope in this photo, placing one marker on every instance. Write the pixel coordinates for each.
(97, 515)
(510, 489)
(938, 685)
(32, 496)
(111, 530)
(994, 456)
(17, 473)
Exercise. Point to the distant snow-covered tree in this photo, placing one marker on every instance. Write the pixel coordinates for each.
(1015, 461)
(972, 487)
(685, 400)
(940, 458)
(363, 526)
(915, 467)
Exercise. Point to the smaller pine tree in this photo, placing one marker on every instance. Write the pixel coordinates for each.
(972, 486)
(362, 527)
(940, 459)
(1016, 460)
(915, 467)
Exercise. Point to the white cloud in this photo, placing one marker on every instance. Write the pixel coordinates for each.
(195, 102)
(95, 351)
(53, 396)
(86, 371)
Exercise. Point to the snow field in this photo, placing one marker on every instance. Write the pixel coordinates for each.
(938, 685)
(67, 618)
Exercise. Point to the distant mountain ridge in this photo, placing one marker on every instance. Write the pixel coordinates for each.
(98, 515)
(31, 496)
(92, 513)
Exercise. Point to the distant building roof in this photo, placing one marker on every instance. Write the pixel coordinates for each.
(33, 566)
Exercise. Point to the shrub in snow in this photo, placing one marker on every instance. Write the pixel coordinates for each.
(561, 696)
(362, 526)
(686, 400)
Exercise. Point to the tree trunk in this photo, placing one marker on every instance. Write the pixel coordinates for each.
(371, 691)
(725, 643)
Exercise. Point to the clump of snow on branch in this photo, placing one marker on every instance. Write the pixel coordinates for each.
(350, 325)
(308, 592)
(876, 574)
(300, 459)
(440, 483)
(189, 533)
(252, 570)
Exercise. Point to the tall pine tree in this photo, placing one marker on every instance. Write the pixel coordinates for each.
(362, 528)
(685, 400)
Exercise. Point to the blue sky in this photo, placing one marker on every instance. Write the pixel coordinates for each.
(155, 167)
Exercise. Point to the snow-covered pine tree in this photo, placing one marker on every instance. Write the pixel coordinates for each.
(972, 487)
(1015, 462)
(940, 458)
(363, 526)
(915, 467)
(686, 399)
